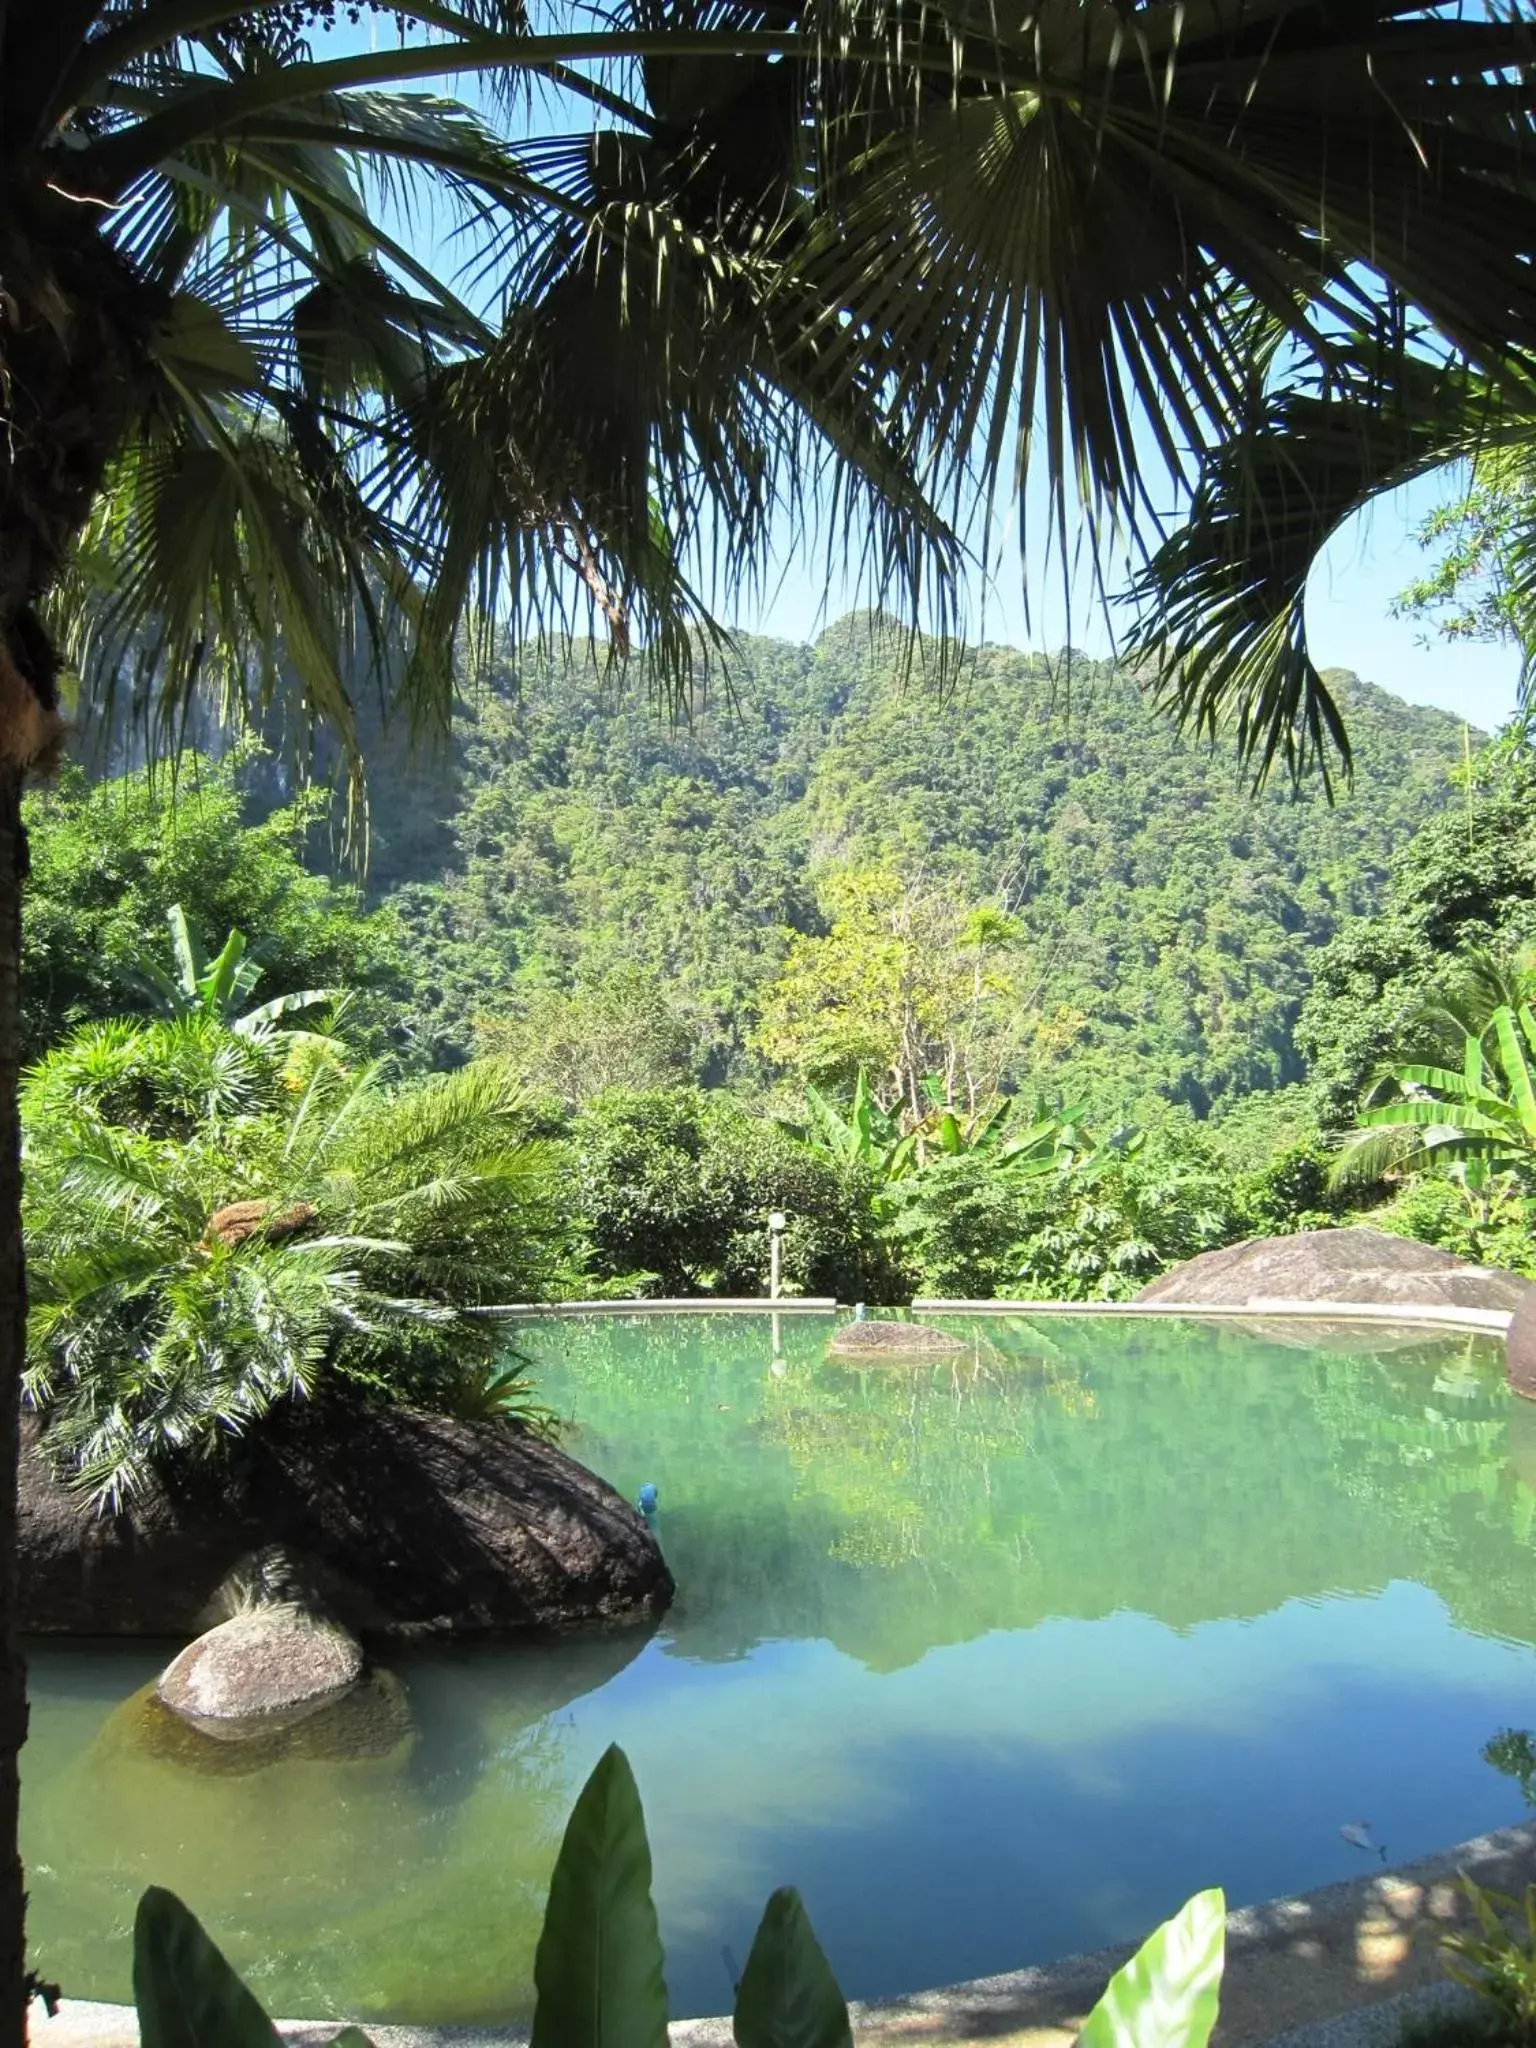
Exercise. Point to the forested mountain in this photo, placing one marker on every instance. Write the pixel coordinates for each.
(1153, 923)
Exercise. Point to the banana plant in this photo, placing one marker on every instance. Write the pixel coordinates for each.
(867, 1136)
(218, 988)
(1049, 1141)
(1480, 1120)
(599, 1973)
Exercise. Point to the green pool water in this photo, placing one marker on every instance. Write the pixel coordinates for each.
(996, 1659)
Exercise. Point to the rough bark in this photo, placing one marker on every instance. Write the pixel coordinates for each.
(13, 1335)
(74, 322)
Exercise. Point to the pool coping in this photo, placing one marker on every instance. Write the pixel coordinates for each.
(1426, 1315)
(674, 1305)
(1292, 1963)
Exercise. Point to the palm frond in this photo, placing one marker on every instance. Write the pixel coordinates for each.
(1222, 603)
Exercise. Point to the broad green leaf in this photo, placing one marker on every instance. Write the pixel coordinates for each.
(788, 1996)
(598, 1972)
(187, 1995)
(1474, 1069)
(217, 984)
(350, 2037)
(1167, 1994)
(1516, 1073)
(190, 962)
(1446, 1079)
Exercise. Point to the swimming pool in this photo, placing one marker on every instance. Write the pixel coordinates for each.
(997, 1658)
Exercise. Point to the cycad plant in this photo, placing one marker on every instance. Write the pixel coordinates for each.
(215, 1224)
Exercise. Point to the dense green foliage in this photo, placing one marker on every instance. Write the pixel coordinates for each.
(785, 955)
(675, 1190)
(1466, 879)
(110, 859)
(1162, 925)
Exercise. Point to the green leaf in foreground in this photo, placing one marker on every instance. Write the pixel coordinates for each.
(186, 1993)
(598, 1971)
(1167, 1995)
(788, 1996)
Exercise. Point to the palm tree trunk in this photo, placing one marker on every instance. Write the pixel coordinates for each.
(13, 1336)
(73, 324)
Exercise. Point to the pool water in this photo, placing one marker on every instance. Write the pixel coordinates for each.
(996, 1659)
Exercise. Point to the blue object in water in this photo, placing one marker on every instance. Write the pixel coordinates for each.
(647, 1500)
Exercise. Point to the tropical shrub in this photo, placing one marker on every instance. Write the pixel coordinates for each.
(957, 1226)
(1497, 1961)
(109, 859)
(1293, 1191)
(1494, 1226)
(216, 1219)
(675, 1190)
(1481, 1120)
(1103, 1231)
(220, 987)
(599, 1970)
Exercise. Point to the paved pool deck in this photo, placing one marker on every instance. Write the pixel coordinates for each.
(1336, 1968)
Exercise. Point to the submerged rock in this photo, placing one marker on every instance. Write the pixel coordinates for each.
(370, 1724)
(876, 1341)
(1338, 1265)
(267, 1669)
(410, 1525)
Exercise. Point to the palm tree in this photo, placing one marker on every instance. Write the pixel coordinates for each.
(251, 445)
(1221, 603)
(210, 1232)
(1467, 995)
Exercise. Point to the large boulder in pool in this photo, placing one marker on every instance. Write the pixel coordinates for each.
(397, 1524)
(880, 1343)
(1520, 1348)
(1338, 1265)
(266, 1669)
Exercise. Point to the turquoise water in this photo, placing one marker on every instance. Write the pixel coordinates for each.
(996, 1659)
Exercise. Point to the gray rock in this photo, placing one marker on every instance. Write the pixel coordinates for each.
(1338, 1265)
(371, 1724)
(405, 1524)
(263, 1670)
(1520, 1348)
(880, 1341)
